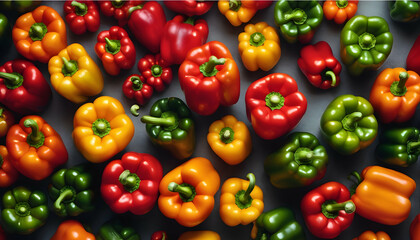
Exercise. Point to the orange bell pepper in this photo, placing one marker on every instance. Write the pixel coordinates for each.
(40, 34)
(415, 228)
(383, 195)
(72, 230)
(339, 10)
(8, 173)
(187, 192)
(369, 235)
(6, 121)
(238, 12)
(199, 235)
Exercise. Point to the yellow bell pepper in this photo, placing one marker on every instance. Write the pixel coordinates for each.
(241, 201)
(199, 235)
(74, 74)
(259, 47)
(237, 12)
(102, 129)
(230, 140)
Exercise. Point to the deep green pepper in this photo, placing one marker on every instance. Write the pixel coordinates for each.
(300, 162)
(5, 32)
(348, 124)
(365, 43)
(170, 126)
(298, 20)
(399, 146)
(24, 211)
(70, 189)
(114, 230)
(404, 10)
(277, 224)
(19, 6)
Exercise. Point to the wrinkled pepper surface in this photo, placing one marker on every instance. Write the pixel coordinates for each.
(136, 88)
(156, 71)
(8, 173)
(369, 235)
(238, 12)
(404, 10)
(415, 228)
(82, 16)
(72, 230)
(413, 58)
(189, 7)
(340, 10)
(113, 230)
(200, 235)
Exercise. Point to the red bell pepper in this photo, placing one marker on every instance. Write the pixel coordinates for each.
(415, 228)
(180, 35)
(189, 7)
(8, 173)
(156, 71)
(159, 235)
(136, 88)
(319, 65)
(209, 77)
(116, 50)
(132, 183)
(118, 9)
(274, 105)
(328, 210)
(82, 16)
(146, 22)
(413, 58)
(23, 88)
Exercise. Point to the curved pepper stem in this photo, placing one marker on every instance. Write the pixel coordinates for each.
(333, 77)
(298, 16)
(190, 20)
(166, 122)
(101, 127)
(130, 181)
(350, 121)
(36, 137)
(208, 69)
(112, 46)
(79, 8)
(185, 190)
(137, 83)
(358, 178)
(132, 9)
(134, 110)
(342, 3)
(243, 198)
(38, 31)
(69, 67)
(398, 88)
(12, 80)
(331, 209)
(412, 147)
(235, 5)
(65, 195)
(226, 135)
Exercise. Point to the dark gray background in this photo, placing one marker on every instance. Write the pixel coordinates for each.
(60, 116)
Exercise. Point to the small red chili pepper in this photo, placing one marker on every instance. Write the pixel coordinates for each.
(189, 7)
(156, 71)
(159, 235)
(118, 9)
(136, 88)
(82, 16)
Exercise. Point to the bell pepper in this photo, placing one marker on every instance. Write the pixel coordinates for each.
(328, 210)
(382, 195)
(404, 10)
(366, 43)
(413, 58)
(82, 16)
(159, 235)
(200, 235)
(156, 71)
(187, 192)
(189, 7)
(5, 33)
(319, 65)
(170, 126)
(113, 230)
(301, 161)
(340, 10)
(8, 173)
(101, 129)
(72, 230)
(23, 88)
(118, 9)
(274, 105)
(6, 121)
(180, 35)
(35, 148)
(136, 88)
(19, 6)
(348, 124)
(369, 235)
(298, 20)
(209, 78)
(415, 228)
(277, 224)
(40, 34)
(238, 12)
(146, 22)
(259, 47)
(24, 210)
(74, 74)
(230, 140)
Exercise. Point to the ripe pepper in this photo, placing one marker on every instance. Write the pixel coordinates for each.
(159, 235)
(340, 10)
(187, 192)
(274, 105)
(6, 121)
(156, 71)
(300, 162)
(8, 173)
(328, 210)
(40, 34)
(74, 74)
(348, 124)
(200, 235)
(404, 11)
(209, 78)
(35, 148)
(136, 88)
(259, 47)
(118, 9)
(82, 16)
(72, 230)
(180, 35)
(24, 211)
(23, 88)
(383, 195)
(415, 228)
(369, 235)
(238, 12)
(298, 20)
(113, 230)
(365, 43)
(19, 6)
(101, 129)
(189, 7)
(5, 33)
(413, 58)
(319, 65)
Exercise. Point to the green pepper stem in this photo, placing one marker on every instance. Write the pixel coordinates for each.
(112, 46)
(190, 20)
(256, 39)
(22, 209)
(413, 146)
(357, 176)
(264, 236)
(101, 127)
(117, 3)
(305, 155)
(367, 41)
(80, 8)
(134, 110)
(12, 80)
(342, 3)
(274, 100)
(69, 67)
(1, 112)
(38, 31)
(298, 16)
(137, 83)
(403, 79)
(347, 206)
(132, 9)
(235, 5)
(208, 69)
(246, 197)
(166, 122)
(333, 77)
(36, 137)
(156, 70)
(66, 194)
(185, 192)
(350, 121)
(226, 135)
(130, 181)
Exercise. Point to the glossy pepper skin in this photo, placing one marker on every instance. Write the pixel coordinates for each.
(189, 7)
(115, 230)
(156, 71)
(187, 192)
(274, 105)
(369, 235)
(259, 47)
(5, 32)
(413, 58)
(8, 173)
(159, 235)
(382, 195)
(136, 88)
(301, 161)
(72, 230)
(118, 9)
(40, 34)
(404, 10)
(319, 65)
(23, 88)
(19, 6)
(415, 228)
(209, 78)
(199, 235)
(365, 43)
(6, 121)
(238, 12)
(82, 16)
(348, 124)
(35, 148)
(340, 10)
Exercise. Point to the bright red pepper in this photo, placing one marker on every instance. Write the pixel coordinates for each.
(415, 228)
(209, 77)
(159, 235)
(132, 183)
(118, 9)
(156, 71)
(413, 58)
(180, 35)
(189, 7)
(8, 173)
(136, 88)
(319, 65)
(23, 88)
(82, 16)
(274, 105)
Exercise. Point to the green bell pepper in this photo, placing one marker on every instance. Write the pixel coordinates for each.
(348, 124)
(19, 6)
(277, 224)
(24, 211)
(404, 10)
(300, 162)
(399, 147)
(5, 33)
(170, 126)
(114, 230)
(298, 20)
(70, 189)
